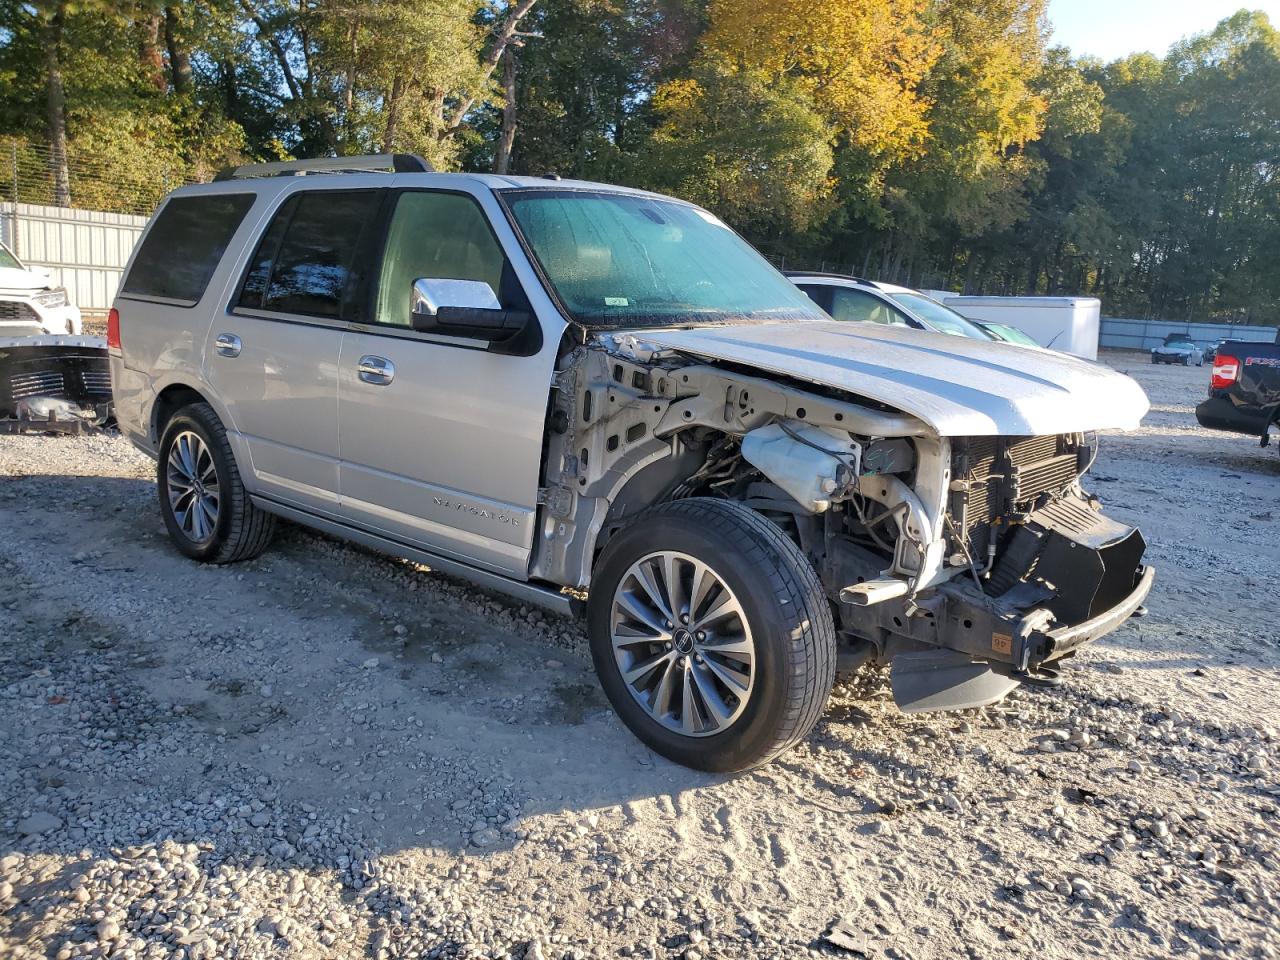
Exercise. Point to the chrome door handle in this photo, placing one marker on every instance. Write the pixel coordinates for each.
(228, 345)
(376, 370)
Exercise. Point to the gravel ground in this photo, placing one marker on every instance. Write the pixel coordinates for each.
(326, 753)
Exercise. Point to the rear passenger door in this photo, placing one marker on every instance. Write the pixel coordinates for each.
(273, 355)
(442, 439)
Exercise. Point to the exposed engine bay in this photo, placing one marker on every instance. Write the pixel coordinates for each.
(969, 563)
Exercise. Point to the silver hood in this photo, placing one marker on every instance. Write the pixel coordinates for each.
(959, 387)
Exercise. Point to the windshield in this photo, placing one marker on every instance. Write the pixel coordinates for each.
(943, 319)
(1177, 338)
(7, 260)
(619, 260)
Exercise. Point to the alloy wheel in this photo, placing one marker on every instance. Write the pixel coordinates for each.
(682, 644)
(194, 494)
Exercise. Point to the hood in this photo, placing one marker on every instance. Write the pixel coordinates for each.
(959, 387)
(13, 280)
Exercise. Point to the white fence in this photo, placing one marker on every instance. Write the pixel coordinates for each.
(1145, 334)
(85, 249)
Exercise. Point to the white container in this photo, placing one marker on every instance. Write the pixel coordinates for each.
(1069, 324)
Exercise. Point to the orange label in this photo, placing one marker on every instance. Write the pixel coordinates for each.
(1002, 643)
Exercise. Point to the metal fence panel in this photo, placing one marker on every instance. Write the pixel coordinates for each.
(86, 250)
(1145, 334)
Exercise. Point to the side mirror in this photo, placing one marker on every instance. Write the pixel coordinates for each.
(464, 308)
(430, 294)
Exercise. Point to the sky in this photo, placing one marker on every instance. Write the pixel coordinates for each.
(1114, 28)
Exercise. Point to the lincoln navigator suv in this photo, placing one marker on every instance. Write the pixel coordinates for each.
(562, 390)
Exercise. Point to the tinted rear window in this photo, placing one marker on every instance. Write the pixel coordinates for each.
(184, 245)
(306, 260)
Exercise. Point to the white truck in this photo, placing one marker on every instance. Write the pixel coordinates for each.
(553, 387)
(31, 304)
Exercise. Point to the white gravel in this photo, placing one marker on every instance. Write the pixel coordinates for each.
(325, 753)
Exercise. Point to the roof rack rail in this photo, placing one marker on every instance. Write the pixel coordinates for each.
(371, 163)
(825, 274)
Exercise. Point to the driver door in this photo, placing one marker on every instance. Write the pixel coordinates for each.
(440, 439)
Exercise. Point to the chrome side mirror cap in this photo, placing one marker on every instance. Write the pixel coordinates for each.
(430, 294)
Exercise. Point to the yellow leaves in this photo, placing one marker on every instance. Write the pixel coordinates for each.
(673, 100)
(984, 81)
(755, 153)
(861, 62)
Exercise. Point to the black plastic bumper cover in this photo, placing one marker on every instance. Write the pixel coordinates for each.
(1065, 640)
(1220, 413)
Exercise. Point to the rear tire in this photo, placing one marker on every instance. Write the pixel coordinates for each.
(753, 682)
(205, 506)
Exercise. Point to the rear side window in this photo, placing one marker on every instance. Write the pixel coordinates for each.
(184, 245)
(306, 262)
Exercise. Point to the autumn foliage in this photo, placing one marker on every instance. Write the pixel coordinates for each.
(932, 142)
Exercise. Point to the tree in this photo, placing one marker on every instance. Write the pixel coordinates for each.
(55, 18)
(585, 85)
(781, 90)
(860, 65)
(756, 154)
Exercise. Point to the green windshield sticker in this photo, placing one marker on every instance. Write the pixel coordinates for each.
(617, 302)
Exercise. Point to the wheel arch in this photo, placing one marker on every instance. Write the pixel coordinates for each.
(169, 401)
(175, 395)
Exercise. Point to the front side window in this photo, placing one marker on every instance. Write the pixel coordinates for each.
(8, 261)
(439, 236)
(184, 245)
(862, 307)
(622, 260)
(306, 261)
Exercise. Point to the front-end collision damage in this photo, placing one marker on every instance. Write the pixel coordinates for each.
(969, 564)
(54, 384)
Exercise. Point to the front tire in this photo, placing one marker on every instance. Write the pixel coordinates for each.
(205, 506)
(711, 634)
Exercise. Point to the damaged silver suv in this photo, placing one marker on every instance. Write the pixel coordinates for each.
(551, 387)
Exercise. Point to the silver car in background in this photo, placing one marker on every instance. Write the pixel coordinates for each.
(852, 299)
(1178, 348)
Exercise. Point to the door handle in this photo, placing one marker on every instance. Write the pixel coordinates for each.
(228, 345)
(376, 370)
